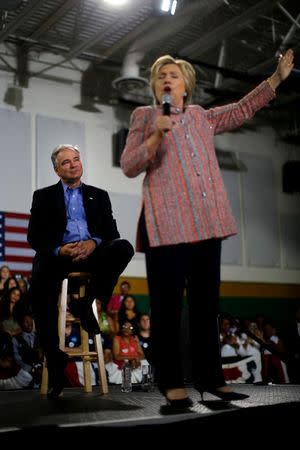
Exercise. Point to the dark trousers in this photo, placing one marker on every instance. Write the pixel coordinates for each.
(171, 269)
(105, 264)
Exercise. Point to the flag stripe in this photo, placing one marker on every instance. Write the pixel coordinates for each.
(24, 259)
(17, 266)
(19, 251)
(14, 248)
(15, 230)
(18, 244)
(19, 216)
(16, 223)
(19, 237)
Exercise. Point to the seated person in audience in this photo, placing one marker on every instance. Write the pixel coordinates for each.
(9, 283)
(129, 312)
(23, 285)
(72, 335)
(74, 368)
(27, 352)
(4, 274)
(12, 310)
(237, 352)
(125, 346)
(115, 301)
(12, 376)
(144, 336)
(273, 367)
(292, 345)
(109, 328)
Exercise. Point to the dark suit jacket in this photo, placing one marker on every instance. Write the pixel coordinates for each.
(48, 217)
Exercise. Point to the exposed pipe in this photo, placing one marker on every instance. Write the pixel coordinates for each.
(221, 63)
(130, 78)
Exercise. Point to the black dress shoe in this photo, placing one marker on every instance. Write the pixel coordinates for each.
(55, 391)
(89, 322)
(58, 382)
(57, 379)
(179, 406)
(227, 396)
(83, 310)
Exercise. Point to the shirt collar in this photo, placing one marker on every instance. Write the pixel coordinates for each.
(65, 186)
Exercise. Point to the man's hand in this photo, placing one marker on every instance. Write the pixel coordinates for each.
(84, 250)
(78, 251)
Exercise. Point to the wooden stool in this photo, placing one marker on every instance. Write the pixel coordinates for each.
(82, 278)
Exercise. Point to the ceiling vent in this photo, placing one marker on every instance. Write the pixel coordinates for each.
(130, 79)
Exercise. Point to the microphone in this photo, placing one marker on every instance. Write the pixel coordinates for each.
(166, 102)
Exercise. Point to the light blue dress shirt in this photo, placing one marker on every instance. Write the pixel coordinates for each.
(77, 228)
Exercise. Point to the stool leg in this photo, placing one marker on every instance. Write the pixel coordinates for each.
(100, 357)
(86, 361)
(85, 348)
(62, 313)
(44, 381)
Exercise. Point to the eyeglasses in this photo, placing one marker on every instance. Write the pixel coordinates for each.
(128, 327)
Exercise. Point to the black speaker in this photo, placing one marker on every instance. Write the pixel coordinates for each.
(119, 141)
(291, 177)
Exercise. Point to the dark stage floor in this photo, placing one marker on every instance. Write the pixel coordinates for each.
(117, 414)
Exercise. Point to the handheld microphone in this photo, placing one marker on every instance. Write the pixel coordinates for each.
(166, 102)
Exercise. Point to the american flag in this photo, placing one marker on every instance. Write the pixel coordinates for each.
(15, 251)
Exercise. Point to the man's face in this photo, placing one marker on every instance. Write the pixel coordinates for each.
(69, 166)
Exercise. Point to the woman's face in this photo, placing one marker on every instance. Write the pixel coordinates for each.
(170, 78)
(129, 303)
(12, 283)
(127, 329)
(99, 305)
(15, 295)
(5, 273)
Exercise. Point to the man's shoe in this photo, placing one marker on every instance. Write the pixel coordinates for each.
(89, 322)
(57, 377)
(82, 309)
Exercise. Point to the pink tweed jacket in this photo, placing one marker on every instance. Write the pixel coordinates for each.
(184, 197)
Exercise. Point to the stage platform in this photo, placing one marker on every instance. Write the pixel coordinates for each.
(136, 415)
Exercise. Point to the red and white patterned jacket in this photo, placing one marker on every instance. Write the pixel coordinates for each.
(184, 197)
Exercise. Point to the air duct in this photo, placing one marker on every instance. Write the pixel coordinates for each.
(130, 80)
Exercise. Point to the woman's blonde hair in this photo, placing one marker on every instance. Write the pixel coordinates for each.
(187, 70)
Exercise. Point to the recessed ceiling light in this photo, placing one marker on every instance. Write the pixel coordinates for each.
(116, 2)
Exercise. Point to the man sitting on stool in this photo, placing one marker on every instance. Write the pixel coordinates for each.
(72, 229)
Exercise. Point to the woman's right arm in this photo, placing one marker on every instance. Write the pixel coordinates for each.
(142, 143)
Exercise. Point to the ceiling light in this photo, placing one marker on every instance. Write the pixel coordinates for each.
(168, 6)
(116, 2)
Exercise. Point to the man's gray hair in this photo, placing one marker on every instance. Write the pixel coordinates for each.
(61, 147)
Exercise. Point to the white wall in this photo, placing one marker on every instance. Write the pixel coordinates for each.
(55, 99)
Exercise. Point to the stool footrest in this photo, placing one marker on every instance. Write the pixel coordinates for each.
(82, 352)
